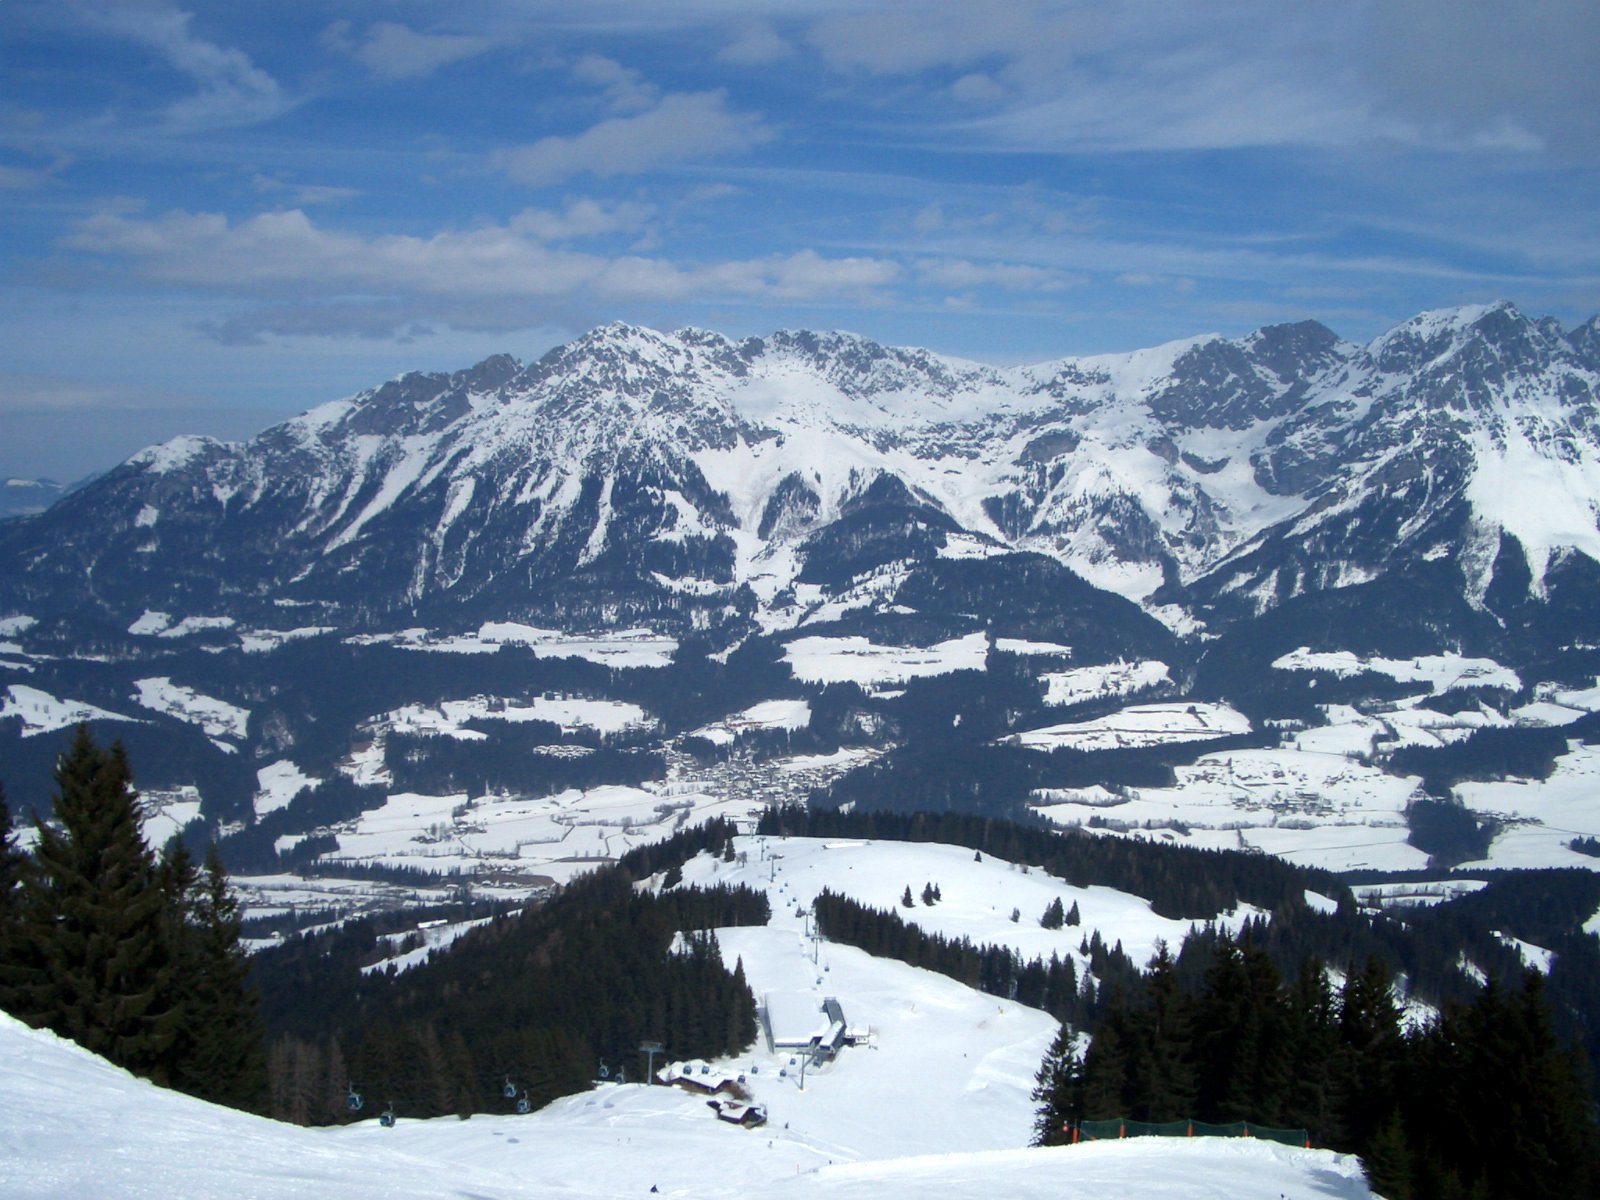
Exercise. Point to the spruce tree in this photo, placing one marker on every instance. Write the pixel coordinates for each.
(1056, 1090)
(1164, 1085)
(221, 1056)
(1055, 915)
(94, 962)
(12, 864)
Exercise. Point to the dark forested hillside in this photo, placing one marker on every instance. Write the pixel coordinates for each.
(541, 998)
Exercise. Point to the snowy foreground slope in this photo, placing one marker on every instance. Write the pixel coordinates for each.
(934, 1100)
(73, 1126)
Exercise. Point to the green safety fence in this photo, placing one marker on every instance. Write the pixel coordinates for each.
(1118, 1127)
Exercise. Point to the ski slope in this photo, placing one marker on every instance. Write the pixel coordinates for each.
(73, 1126)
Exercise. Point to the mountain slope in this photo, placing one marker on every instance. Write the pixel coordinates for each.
(691, 482)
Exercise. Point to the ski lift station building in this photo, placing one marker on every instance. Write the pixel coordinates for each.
(794, 1021)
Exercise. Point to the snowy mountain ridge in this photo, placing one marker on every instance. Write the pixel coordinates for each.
(700, 479)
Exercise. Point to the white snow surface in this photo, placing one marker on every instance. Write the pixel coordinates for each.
(978, 893)
(936, 1102)
(621, 648)
(1112, 679)
(217, 717)
(1139, 725)
(160, 624)
(74, 1126)
(1541, 817)
(43, 713)
(1308, 806)
(278, 783)
(768, 714)
(1441, 671)
(858, 660)
(569, 712)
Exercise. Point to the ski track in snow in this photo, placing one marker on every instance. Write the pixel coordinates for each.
(936, 1102)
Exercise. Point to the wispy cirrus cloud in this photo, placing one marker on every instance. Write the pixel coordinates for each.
(681, 127)
(229, 88)
(15, 177)
(503, 275)
(392, 51)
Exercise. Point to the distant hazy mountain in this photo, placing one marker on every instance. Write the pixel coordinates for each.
(24, 497)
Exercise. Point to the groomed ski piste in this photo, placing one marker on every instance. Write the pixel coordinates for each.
(933, 1099)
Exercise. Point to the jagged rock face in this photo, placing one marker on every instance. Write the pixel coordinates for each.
(692, 481)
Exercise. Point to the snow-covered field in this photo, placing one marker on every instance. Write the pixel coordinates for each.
(218, 718)
(40, 712)
(978, 893)
(73, 1127)
(935, 1102)
(769, 714)
(857, 660)
(1140, 725)
(1441, 672)
(622, 648)
(1316, 801)
(1092, 683)
(1541, 818)
(1310, 807)
(569, 712)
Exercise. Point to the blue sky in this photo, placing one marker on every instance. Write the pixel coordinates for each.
(216, 215)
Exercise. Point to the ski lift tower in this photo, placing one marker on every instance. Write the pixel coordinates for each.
(651, 1049)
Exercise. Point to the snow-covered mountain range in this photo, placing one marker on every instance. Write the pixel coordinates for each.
(688, 481)
(763, 570)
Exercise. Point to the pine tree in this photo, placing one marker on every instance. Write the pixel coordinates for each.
(1164, 1082)
(222, 1057)
(13, 863)
(1073, 916)
(94, 963)
(905, 900)
(1055, 915)
(1371, 1052)
(1387, 1161)
(1056, 1091)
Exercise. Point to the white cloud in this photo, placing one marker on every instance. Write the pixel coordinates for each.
(302, 195)
(392, 51)
(232, 90)
(1520, 78)
(682, 127)
(490, 276)
(978, 88)
(26, 179)
(583, 218)
(904, 39)
(626, 90)
(1143, 279)
(755, 45)
(1016, 277)
(1087, 76)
